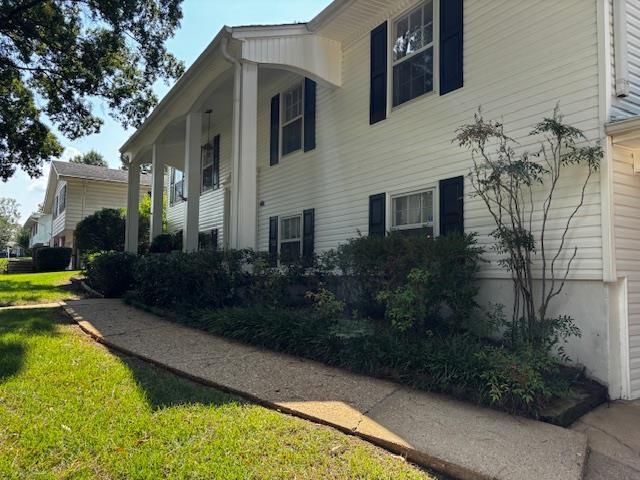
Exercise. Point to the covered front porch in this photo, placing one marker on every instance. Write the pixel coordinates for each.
(217, 100)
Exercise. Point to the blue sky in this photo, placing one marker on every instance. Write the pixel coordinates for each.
(202, 20)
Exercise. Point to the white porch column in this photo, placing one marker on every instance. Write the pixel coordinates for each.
(157, 193)
(192, 181)
(246, 194)
(133, 205)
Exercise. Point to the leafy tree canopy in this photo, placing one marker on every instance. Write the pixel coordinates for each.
(23, 237)
(9, 216)
(57, 56)
(90, 158)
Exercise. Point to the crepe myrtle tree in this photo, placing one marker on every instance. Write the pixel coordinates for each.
(60, 59)
(519, 187)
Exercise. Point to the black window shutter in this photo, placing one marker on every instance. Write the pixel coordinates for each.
(377, 215)
(452, 206)
(214, 239)
(309, 115)
(216, 161)
(378, 99)
(451, 46)
(275, 130)
(308, 236)
(273, 241)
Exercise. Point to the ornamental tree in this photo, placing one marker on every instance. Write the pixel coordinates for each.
(520, 190)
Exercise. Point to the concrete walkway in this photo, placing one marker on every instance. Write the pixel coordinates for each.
(458, 439)
(614, 437)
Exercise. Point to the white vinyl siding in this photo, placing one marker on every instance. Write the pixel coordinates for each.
(85, 197)
(626, 212)
(516, 68)
(630, 105)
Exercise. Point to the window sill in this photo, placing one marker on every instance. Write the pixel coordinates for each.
(424, 96)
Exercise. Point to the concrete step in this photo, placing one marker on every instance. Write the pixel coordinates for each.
(20, 266)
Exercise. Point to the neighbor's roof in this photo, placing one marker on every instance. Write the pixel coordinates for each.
(93, 172)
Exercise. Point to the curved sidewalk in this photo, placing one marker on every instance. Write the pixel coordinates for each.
(456, 438)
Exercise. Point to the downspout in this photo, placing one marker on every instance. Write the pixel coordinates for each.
(235, 145)
(621, 47)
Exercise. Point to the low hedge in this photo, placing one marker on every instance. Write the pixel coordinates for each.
(462, 365)
(51, 259)
(111, 274)
(4, 265)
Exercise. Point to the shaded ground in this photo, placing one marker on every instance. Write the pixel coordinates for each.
(614, 438)
(70, 408)
(34, 288)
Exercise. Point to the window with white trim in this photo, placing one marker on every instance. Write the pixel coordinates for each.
(414, 211)
(292, 119)
(176, 186)
(291, 237)
(413, 49)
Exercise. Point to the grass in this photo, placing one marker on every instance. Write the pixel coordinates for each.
(33, 288)
(71, 409)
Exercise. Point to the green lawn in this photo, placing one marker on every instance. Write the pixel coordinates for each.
(71, 409)
(32, 288)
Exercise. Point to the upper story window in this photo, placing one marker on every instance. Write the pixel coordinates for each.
(60, 202)
(414, 211)
(176, 186)
(413, 49)
(211, 165)
(292, 119)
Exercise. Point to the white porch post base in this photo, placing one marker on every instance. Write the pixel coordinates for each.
(192, 179)
(246, 193)
(133, 205)
(157, 193)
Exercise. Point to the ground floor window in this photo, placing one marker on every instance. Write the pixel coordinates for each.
(414, 211)
(291, 237)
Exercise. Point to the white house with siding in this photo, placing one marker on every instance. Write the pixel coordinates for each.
(297, 137)
(39, 226)
(75, 191)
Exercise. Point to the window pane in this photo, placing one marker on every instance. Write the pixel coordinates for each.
(415, 209)
(293, 104)
(402, 33)
(428, 23)
(207, 177)
(291, 228)
(290, 251)
(413, 77)
(427, 207)
(292, 137)
(400, 211)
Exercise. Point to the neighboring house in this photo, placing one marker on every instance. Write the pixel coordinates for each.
(39, 225)
(344, 124)
(75, 191)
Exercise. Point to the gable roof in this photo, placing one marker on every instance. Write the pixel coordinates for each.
(93, 172)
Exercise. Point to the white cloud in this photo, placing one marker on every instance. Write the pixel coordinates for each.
(69, 153)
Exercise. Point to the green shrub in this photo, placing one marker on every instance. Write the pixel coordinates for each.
(102, 231)
(111, 274)
(191, 280)
(4, 265)
(163, 243)
(52, 259)
(446, 267)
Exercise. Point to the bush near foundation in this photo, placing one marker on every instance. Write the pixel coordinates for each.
(51, 259)
(111, 273)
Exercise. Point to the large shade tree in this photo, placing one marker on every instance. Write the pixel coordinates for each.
(58, 58)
